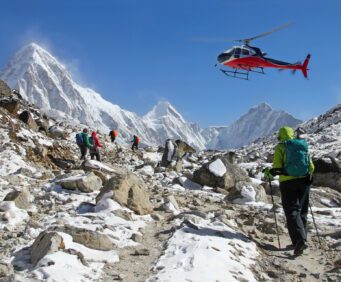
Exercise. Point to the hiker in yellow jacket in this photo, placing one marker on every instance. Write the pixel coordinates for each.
(294, 166)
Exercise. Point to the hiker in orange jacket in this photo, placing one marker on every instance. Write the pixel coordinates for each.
(94, 151)
(113, 135)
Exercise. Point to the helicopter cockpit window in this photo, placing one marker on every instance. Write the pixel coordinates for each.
(237, 52)
(245, 52)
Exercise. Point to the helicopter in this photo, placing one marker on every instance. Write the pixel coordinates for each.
(246, 58)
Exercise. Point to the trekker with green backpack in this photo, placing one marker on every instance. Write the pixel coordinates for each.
(294, 166)
(82, 140)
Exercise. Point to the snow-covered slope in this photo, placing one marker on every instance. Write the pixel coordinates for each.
(259, 121)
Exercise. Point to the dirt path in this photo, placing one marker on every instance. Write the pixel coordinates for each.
(316, 263)
(137, 267)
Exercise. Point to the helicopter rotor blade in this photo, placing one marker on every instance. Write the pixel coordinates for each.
(210, 39)
(248, 40)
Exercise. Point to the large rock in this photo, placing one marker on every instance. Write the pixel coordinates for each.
(22, 199)
(128, 190)
(328, 173)
(244, 192)
(86, 183)
(10, 104)
(56, 131)
(220, 173)
(46, 243)
(89, 238)
(27, 118)
(169, 153)
(4, 89)
(174, 152)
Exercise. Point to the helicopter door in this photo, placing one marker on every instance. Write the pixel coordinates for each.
(237, 52)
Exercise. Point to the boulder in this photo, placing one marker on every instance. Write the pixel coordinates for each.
(92, 165)
(244, 192)
(183, 148)
(42, 124)
(22, 199)
(220, 173)
(328, 173)
(6, 270)
(173, 153)
(169, 153)
(10, 104)
(89, 238)
(4, 89)
(128, 190)
(46, 243)
(86, 183)
(27, 118)
(55, 131)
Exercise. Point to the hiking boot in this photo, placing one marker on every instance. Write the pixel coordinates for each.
(300, 247)
(290, 247)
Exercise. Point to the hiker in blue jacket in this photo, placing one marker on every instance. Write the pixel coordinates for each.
(295, 174)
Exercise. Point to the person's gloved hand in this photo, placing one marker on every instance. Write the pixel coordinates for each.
(267, 174)
(277, 171)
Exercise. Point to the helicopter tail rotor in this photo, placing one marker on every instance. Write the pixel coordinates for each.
(305, 66)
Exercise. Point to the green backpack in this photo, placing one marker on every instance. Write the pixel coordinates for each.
(297, 161)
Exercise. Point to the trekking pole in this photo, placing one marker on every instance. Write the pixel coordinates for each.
(317, 233)
(273, 204)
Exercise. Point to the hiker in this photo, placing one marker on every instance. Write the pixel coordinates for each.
(300, 133)
(94, 151)
(136, 141)
(82, 140)
(294, 166)
(113, 135)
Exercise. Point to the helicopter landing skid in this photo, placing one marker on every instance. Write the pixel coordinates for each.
(242, 73)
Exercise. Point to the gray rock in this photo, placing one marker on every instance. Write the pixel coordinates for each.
(328, 173)
(6, 270)
(243, 192)
(27, 118)
(46, 243)
(89, 238)
(128, 190)
(86, 183)
(22, 199)
(5, 90)
(233, 174)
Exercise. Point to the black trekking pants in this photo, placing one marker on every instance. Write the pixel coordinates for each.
(135, 145)
(84, 151)
(95, 153)
(295, 201)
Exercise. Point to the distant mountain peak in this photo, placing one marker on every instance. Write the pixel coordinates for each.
(262, 106)
(163, 109)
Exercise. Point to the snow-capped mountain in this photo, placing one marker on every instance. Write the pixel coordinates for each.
(259, 121)
(44, 81)
(164, 120)
(322, 134)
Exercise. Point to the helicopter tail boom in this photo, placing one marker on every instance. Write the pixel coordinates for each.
(305, 66)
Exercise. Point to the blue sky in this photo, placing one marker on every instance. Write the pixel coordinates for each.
(135, 53)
